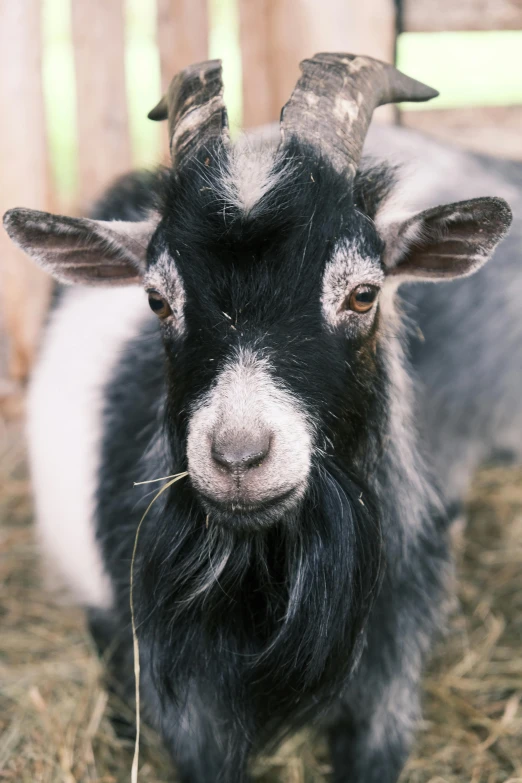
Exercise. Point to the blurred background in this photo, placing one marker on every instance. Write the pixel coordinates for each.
(77, 78)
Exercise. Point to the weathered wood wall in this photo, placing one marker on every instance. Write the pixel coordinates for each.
(182, 33)
(24, 289)
(103, 130)
(275, 35)
(497, 129)
(423, 16)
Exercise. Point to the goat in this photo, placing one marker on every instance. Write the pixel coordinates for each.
(300, 571)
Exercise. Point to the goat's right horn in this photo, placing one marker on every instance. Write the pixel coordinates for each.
(332, 104)
(195, 110)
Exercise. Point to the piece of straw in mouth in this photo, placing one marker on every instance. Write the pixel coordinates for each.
(135, 643)
(162, 478)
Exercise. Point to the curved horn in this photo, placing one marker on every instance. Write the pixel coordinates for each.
(195, 110)
(332, 104)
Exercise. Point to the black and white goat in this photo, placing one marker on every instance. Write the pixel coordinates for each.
(299, 572)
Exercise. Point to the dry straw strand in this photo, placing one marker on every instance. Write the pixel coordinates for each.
(135, 643)
(162, 478)
(44, 645)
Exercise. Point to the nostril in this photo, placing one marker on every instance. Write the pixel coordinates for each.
(240, 451)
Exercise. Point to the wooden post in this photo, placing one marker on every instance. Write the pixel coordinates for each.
(295, 29)
(103, 132)
(182, 40)
(259, 73)
(426, 16)
(24, 288)
(182, 35)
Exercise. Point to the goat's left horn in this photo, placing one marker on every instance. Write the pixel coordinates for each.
(332, 104)
(195, 110)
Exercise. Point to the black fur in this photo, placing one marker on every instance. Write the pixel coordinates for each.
(245, 635)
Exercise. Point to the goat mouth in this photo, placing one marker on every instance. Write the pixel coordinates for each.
(238, 514)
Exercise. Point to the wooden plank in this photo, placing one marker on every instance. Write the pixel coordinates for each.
(494, 129)
(426, 16)
(182, 35)
(335, 26)
(294, 29)
(103, 133)
(182, 31)
(259, 77)
(24, 288)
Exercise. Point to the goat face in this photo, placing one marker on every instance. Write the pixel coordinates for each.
(269, 272)
(270, 321)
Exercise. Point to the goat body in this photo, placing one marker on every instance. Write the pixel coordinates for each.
(300, 571)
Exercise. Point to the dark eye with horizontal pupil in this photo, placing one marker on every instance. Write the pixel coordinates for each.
(361, 299)
(159, 305)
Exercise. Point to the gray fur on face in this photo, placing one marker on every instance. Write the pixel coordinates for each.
(245, 397)
(249, 174)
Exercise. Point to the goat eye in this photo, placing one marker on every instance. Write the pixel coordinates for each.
(361, 299)
(159, 305)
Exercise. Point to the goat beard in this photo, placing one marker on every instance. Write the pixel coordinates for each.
(264, 628)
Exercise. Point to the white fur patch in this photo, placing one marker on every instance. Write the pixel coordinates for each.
(245, 396)
(249, 175)
(346, 270)
(82, 345)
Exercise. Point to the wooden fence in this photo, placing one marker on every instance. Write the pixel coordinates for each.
(492, 129)
(424, 16)
(274, 36)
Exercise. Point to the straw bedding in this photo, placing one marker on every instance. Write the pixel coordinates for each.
(54, 713)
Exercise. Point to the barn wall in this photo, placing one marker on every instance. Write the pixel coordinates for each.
(274, 36)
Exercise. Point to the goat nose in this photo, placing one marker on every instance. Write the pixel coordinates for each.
(240, 451)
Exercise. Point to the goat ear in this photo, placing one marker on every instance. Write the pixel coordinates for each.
(79, 250)
(445, 242)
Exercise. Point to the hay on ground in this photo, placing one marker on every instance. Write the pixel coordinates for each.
(54, 713)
